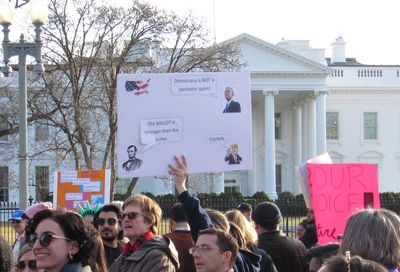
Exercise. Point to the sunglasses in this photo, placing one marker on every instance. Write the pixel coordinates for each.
(131, 215)
(22, 264)
(16, 221)
(44, 239)
(109, 221)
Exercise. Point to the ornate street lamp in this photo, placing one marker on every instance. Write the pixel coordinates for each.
(38, 14)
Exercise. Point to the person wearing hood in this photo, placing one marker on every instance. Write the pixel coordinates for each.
(146, 251)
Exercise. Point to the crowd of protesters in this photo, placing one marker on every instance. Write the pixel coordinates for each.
(125, 237)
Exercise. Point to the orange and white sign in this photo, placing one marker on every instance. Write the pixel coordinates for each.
(74, 187)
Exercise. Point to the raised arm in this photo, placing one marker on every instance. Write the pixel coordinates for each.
(197, 217)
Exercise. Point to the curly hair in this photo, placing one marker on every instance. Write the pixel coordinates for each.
(73, 227)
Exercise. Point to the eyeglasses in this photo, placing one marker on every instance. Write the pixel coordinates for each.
(44, 239)
(22, 264)
(131, 215)
(16, 221)
(200, 250)
(109, 221)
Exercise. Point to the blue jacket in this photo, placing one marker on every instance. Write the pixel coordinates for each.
(72, 267)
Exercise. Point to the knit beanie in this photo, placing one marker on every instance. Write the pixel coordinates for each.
(266, 214)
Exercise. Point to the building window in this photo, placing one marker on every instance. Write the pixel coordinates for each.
(41, 131)
(278, 126)
(42, 178)
(3, 126)
(4, 184)
(370, 126)
(232, 189)
(278, 174)
(231, 186)
(332, 125)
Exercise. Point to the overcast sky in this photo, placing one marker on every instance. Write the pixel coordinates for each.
(370, 28)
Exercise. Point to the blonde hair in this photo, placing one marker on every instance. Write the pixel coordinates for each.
(249, 234)
(151, 210)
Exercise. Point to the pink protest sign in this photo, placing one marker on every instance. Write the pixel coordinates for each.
(337, 191)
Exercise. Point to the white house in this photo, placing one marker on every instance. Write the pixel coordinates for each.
(304, 103)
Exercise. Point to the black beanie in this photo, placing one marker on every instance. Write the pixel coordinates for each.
(266, 214)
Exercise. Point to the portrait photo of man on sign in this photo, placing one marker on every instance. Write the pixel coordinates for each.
(231, 106)
(133, 163)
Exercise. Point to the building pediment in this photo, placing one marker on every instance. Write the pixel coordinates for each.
(261, 57)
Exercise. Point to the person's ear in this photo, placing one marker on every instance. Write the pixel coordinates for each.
(256, 227)
(227, 257)
(148, 223)
(74, 248)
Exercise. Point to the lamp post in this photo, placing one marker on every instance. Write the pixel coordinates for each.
(38, 14)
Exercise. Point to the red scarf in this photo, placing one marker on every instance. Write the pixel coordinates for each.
(130, 248)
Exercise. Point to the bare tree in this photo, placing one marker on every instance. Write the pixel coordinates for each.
(87, 51)
(188, 47)
(87, 44)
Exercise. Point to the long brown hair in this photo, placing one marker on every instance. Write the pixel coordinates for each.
(375, 235)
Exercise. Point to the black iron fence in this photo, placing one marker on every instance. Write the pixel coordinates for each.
(6, 210)
(293, 210)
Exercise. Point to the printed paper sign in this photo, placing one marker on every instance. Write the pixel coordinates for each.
(337, 191)
(205, 116)
(75, 187)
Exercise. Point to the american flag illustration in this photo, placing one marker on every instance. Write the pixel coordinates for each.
(138, 86)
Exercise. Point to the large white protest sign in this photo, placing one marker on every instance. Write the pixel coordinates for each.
(205, 116)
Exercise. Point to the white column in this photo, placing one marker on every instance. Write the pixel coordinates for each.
(218, 180)
(321, 120)
(304, 132)
(269, 141)
(311, 124)
(252, 186)
(297, 144)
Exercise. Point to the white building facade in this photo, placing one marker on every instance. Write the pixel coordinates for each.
(303, 104)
